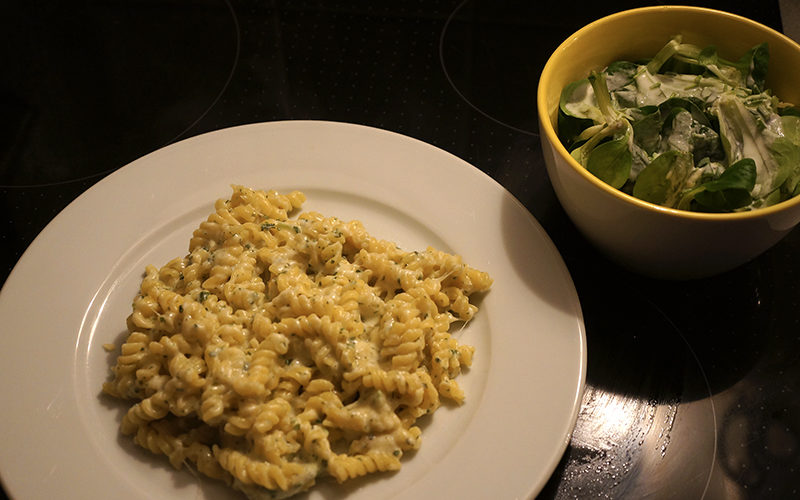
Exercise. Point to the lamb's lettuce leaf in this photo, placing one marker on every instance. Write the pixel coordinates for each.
(578, 101)
(611, 161)
(745, 134)
(686, 129)
(665, 178)
(729, 192)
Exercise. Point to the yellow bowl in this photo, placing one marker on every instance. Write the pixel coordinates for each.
(643, 237)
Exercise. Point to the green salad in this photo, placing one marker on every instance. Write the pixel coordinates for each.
(686, 129)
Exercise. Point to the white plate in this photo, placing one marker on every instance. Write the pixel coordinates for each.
(71, 292)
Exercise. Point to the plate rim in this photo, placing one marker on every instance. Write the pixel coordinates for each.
(78, 204)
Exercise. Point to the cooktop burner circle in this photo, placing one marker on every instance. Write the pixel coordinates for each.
(491, 54)
(88, 84)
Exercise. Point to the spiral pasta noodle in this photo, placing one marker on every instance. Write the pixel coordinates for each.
(280, 350)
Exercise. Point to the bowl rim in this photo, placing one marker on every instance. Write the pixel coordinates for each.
(552, 136)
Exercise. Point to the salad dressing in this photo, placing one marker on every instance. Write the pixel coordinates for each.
(686, 129)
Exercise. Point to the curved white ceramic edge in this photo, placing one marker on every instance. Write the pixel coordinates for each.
(73, 284)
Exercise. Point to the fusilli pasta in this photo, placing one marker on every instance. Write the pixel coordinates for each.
(280, 349)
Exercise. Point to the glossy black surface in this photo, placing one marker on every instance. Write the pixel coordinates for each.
(692, 387)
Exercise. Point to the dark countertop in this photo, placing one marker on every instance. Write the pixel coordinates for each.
(692, 387)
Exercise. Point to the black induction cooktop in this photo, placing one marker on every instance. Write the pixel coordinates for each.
(692, 387)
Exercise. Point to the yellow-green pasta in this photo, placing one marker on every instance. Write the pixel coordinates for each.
(284, 349)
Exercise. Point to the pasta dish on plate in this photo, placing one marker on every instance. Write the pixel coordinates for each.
(281, 349)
